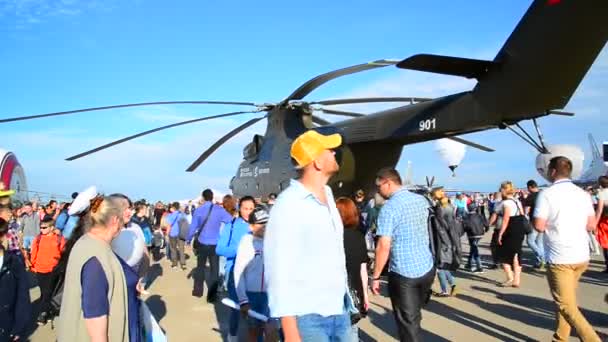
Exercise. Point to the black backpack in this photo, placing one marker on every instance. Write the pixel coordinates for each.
(444, 241)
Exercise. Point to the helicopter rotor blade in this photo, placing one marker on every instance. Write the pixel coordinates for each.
(340, 112)
(220, 142)
(320, 121)
(318, 81)
(472, 144)
(559, 112)
(38, 116)
(371, 100)
(120, 141)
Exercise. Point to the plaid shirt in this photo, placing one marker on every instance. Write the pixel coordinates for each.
(13, 241)
(403, 218)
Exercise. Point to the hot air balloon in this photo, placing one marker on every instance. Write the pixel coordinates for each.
(12, 175)
(572, 152)
(451, 152)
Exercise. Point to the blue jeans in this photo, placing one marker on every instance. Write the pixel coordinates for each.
(354, 333)
(28, 241)
(235, 315)
(317, 328)
(535, 242)
(474, 253)
(446, 280)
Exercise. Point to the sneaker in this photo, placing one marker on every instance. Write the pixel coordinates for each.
(479, 271)
(42, 319)
(441, 294)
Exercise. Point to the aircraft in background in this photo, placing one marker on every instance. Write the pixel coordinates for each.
(599, 163)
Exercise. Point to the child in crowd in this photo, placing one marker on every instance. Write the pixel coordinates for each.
(46, 251)
(475, 225)
(249, 278)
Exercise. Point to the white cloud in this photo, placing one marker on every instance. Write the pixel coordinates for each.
(26, 13)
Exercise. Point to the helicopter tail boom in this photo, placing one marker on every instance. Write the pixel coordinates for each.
(543, 61)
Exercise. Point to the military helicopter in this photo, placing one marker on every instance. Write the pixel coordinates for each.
(534, 73)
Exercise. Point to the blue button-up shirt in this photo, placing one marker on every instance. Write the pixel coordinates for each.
(304, 255)
(403, 218)
(173, 219)
(211, 231)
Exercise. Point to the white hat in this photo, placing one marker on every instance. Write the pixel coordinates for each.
(82, 201)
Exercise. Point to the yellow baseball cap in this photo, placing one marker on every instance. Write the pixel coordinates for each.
(309, 146)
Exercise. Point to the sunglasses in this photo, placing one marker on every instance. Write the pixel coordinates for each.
(45, 227)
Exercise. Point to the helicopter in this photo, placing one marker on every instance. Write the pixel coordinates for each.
(533, 75)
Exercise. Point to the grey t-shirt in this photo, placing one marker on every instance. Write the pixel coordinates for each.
(30, 225)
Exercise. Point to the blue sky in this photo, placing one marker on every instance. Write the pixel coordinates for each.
(65, 54)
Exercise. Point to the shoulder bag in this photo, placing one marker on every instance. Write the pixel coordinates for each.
(521, 219)
(195, 243)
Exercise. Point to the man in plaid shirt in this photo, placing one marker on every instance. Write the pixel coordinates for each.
(403, 233)
(12, 236)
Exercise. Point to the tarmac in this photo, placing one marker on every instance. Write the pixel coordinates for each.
(481, 311)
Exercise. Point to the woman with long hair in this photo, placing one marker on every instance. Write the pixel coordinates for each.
(355, 252)
(447, 217)
(227, 246)
(510, 235)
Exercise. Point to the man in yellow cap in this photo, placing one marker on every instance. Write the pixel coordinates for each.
(304, 255)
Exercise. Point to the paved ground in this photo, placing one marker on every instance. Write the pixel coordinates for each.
(481, 312)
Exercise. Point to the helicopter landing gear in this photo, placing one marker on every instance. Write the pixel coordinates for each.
(539, 144)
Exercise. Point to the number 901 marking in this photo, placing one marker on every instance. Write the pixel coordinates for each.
(426, 125)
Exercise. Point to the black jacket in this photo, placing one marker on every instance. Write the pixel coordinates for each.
(475, 225)
(15, 305)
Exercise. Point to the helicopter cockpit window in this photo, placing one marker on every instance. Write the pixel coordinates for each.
(251, 151)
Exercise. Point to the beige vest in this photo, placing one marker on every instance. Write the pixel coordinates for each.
(71, 325)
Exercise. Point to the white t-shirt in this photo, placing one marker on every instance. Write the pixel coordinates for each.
(566, 207)
(602, 195)
(499, 209)
(129, 245)
(513, 205)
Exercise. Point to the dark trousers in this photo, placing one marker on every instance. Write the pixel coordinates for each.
(408, 296)
(177, 250)
(494, 247)
(203, 253)
(45, 282)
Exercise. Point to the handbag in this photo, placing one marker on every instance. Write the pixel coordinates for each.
(357, 312)
(521, 219)
(195, 243)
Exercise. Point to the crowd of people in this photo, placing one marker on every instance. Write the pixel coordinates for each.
(304, 260)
